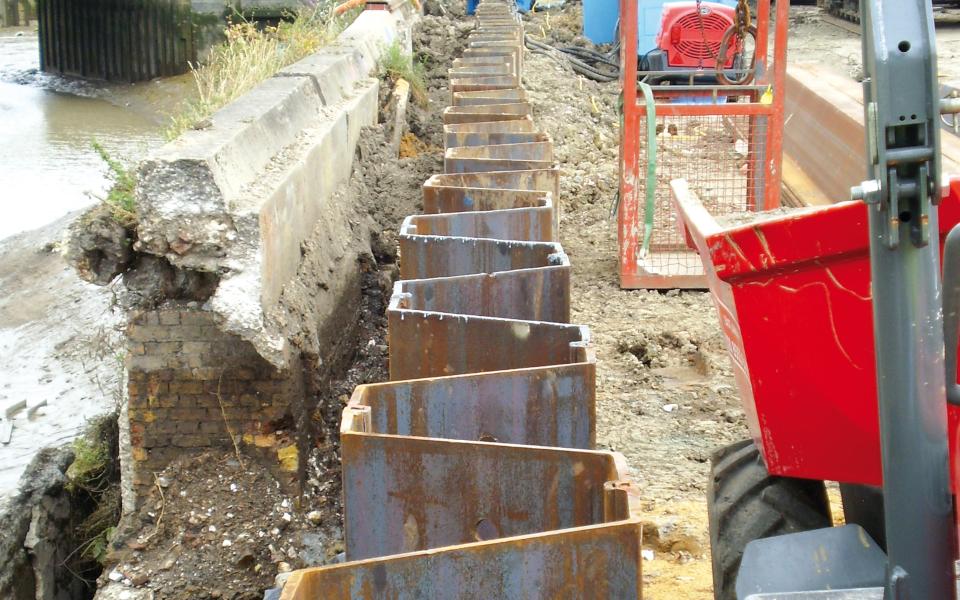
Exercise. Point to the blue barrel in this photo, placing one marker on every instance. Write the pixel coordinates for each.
(600, 21)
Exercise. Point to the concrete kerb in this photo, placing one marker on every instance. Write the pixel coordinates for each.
(331, 71)
(203, 199)
(185, 190)
(291, 201)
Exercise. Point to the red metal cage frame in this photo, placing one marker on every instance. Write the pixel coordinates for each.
(768, 77)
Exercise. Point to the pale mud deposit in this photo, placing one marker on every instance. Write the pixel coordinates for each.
(59, 347)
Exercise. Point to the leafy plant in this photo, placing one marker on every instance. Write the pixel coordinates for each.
(120, 198)
(397, 64)
(97, 547)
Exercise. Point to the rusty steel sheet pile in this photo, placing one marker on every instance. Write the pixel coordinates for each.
(472, 473)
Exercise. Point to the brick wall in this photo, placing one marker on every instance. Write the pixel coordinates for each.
(188, 381)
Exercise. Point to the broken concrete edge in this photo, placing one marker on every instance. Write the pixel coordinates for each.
(238, 197)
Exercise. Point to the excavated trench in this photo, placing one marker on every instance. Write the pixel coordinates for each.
(382, 189)
(392, 188)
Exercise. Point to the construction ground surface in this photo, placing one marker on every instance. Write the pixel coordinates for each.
(665, 391)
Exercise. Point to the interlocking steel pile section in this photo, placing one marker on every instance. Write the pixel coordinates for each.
(472, 473)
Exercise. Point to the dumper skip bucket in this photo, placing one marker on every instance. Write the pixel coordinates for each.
(792, 289)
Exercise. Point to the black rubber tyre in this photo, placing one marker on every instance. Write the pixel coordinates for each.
(746, 503)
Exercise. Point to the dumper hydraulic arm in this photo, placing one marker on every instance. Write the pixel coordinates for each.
(902, 113)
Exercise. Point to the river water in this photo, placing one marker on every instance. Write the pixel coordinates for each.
(58, 335)
(47, 125)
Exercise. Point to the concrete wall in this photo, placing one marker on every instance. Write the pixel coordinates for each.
(237, 199)
(239, 196)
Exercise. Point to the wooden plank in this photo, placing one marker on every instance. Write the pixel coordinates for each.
(823, 130)
(6, 431)
(799, 189)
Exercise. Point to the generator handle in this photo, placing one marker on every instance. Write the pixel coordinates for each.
(951, 311)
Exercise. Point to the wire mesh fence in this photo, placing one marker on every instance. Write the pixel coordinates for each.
(720, 157)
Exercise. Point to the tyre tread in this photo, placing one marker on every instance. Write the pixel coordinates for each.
(746, 503)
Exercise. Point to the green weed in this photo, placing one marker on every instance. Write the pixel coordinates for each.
(397, 64)
(120, 198)
(90, 461)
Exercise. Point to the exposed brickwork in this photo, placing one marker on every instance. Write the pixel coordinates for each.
(188, 381)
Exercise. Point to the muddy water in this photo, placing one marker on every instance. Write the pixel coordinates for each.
(58, 338)
(47, 164)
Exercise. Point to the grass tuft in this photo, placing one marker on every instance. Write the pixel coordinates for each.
(90, 461)
(251, 54)
(91, 482)
(397, 64)
(120, 198)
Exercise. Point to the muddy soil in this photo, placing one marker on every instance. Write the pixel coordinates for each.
(816, 40)
(390, 189)
(666, 396)
(219, 526)
(59, 346)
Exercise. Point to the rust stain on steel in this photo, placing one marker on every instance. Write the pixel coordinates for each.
(471, 475)
(489, 96)
(453, 199)
(431, 344)
(539, 180)
(521, 151)
(534, 224)
(485, 113)
(541, 406)
(505, 295)
(404, 493)
(500, 70)
(599, 562)
(511, 54)
(473, 84)
(456, 117)
(484, 61)
(535, 180)
(516, 108)
(490, 133)
(484, 165)
(427, 256)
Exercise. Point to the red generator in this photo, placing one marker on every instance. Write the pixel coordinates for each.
(691, 36)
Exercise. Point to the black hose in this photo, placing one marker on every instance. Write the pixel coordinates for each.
(579, 66)
(590, 55)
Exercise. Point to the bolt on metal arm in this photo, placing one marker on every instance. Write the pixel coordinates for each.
(902, 112)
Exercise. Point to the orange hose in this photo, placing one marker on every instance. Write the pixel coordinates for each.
(344, 7)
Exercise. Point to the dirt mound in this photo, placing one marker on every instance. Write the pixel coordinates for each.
(219, 528)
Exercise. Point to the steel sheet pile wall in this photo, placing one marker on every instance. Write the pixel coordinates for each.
(471, 474)
(116, 40)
